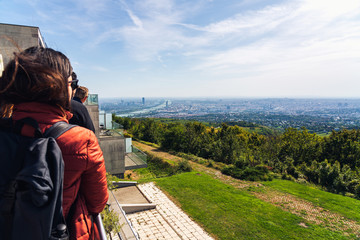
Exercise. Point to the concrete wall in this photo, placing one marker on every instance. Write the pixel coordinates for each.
(114, 154)
(94, 114)
(15, 38)
(113, 147)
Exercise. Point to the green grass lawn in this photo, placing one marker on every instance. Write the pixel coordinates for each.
(230, 213)
(346, 206)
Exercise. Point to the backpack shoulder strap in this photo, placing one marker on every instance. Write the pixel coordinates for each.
(29, 121)
(58, 129)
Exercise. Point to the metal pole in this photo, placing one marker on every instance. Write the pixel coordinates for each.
(100, 227)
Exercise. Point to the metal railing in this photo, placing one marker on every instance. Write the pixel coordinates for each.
(100, 227)
(134, 233)
(140, 154)
(117, 125)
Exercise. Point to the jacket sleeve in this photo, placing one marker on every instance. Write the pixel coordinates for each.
(93, 181)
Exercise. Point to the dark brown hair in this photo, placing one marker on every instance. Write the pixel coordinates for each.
(36, 74)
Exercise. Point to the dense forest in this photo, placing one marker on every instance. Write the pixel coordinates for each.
(332, 162)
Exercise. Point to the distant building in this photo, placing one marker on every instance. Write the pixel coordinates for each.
(143, 101)
(15, 38)
(105, 120)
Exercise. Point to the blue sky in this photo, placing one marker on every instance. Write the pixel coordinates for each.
(203, 48)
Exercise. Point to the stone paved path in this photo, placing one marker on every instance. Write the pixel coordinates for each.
(167, 221)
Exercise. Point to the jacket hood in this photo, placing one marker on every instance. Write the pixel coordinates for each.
(43, 113)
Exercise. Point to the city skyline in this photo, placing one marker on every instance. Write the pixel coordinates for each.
(204, 48)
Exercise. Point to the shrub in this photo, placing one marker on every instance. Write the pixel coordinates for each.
(357, 191)
(241, 164)
(226, 171)
(159, 167)
(257, 173)
(184, 166)
(292, 171)
(287, 177)
(128, 135)
(352, 185)
(110, 220)
(301, 180)
(110, 179)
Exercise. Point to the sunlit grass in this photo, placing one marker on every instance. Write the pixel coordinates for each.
(346, 206)
(230, 213)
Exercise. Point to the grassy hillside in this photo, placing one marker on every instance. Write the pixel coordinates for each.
(346, 206)
(231, 213)
(230, 208)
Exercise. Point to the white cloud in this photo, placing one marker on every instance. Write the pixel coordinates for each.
(328, 10)
(254, 21)
(294, 40)
(132, 16)
(151, 32)
(288, 43)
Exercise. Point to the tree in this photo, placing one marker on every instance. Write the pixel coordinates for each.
(301, 146)
(343, 146)
(174, 137)
(151, 130)
(193, 137)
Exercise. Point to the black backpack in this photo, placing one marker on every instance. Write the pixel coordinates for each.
(31, 182)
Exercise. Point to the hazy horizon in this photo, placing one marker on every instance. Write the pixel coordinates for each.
(230, 97)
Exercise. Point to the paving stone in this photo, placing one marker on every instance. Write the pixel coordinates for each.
(167, 221)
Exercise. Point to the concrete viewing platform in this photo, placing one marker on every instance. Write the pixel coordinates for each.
(146, 213)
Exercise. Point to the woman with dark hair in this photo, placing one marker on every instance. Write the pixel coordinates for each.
(37, 83)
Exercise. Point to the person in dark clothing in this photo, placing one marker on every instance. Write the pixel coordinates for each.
(81, 116)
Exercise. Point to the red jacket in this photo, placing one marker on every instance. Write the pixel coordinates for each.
(84, 174)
